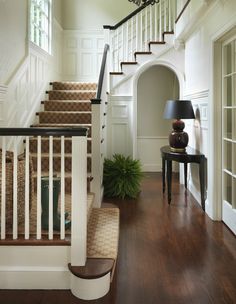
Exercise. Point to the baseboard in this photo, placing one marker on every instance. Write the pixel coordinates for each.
(34, 267)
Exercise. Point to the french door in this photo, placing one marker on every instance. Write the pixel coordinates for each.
(229, 133)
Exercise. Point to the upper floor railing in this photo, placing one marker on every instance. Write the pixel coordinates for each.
(133, 33)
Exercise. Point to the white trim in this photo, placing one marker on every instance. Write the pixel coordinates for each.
(138, 73)
(152, 137)
(214, 159)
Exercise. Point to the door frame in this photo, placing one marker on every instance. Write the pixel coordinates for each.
(214, 201)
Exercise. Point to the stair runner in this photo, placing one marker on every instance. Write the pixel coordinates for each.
(69, 105)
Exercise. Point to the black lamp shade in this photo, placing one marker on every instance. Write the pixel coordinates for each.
(179, 109)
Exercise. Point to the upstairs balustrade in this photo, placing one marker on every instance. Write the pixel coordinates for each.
(133, 34)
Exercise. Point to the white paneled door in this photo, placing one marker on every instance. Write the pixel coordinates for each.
(229, 133)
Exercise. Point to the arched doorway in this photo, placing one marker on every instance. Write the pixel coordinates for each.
(155, 86)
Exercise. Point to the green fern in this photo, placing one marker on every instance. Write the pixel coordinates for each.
(122, 177)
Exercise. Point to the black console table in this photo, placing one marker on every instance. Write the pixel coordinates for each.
(189, 156)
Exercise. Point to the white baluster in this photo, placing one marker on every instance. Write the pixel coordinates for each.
(160, 21)
(50, 224)
(122, 43)
(127, 41)
(169, 27)
(137, 32)
(141, 31)
(3, 190)
(117, 47)
(62, 187)
(15, 224)
(150, 12)
(165, 15)
(132, 38)
(155, 22)
(39, 208)
(146, 28)
(27, 188)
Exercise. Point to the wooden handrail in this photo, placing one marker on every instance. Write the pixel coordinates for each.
(43, 131)
(97, 100)
(182, 11)
(114, 27)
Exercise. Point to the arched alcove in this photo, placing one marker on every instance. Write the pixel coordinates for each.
(155, 86)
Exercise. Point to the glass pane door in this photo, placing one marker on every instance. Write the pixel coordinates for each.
(229, 133)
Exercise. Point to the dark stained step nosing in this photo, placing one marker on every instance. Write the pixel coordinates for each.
(156, 42)
(95, 268)
(116, 73)
(128, 63)
(141, 53)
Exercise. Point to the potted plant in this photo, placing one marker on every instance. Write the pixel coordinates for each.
(122, 176)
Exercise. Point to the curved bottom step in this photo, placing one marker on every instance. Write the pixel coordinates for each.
(91, 281)
(90, 289)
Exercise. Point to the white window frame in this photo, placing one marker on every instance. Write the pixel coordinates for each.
(40, 23)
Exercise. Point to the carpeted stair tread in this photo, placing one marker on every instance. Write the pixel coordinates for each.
(67, 105)
(70, 85)
(71, 95)
(103, 233)
(57, 162)
(56, 145)
(65, 117)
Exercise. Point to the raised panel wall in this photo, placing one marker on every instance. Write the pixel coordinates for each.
(82, 55)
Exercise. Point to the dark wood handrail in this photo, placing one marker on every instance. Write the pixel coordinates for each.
(97, 100)
(182, 11)
(114, 27)
(43, 131)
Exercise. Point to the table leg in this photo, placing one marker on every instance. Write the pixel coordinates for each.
(202, 181)
(169, 179)
(163, 175)
(185, 174)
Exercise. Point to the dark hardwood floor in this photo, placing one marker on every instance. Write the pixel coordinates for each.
(168, 254)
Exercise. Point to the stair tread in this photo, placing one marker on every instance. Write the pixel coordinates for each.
(103, 233)
(55, 154)
(66, 112)
(54, 138)
(72, 91)
(68, 100)
(94, 268)
(66, 174)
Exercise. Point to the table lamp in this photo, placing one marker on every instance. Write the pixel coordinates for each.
(177, 109)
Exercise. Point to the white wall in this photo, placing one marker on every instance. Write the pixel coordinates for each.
(57, 8)
(13, 37)
(93, 14)
(25, 69)
(213, 21)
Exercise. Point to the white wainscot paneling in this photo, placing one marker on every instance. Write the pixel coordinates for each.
(82, 55)
(120, 138)
(149, 152)
(198, 136)
(119, 125)
(3, 92)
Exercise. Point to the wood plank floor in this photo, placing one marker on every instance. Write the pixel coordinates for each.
(168, 254)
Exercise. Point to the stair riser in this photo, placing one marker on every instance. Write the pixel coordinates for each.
(57, 164)
(66, 106)
(56, 146)
(67, 95)
(73, 86)
(64, 118)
